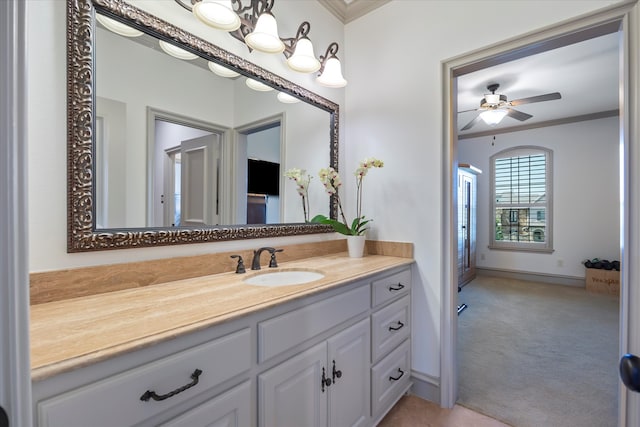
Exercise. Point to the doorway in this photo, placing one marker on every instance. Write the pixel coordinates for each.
(610, 20)
(186, 168)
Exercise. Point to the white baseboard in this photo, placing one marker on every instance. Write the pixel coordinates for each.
(426, 387)
(533, 277)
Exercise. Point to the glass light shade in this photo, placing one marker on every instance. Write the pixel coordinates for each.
(117, 27)
(286, 98)
(217, 14)
(264, 36)
(303, 58)
(332, 74)
(222, 71)
(492, 99)
(259, 86)
(176, 52)
(493, 117)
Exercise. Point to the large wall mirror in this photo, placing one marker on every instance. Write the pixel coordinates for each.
(165, 151)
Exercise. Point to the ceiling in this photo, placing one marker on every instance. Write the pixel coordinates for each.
(585, 74)
(348, 10)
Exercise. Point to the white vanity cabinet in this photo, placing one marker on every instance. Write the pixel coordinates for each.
(123, 399)
(338, 357)
(327, 384)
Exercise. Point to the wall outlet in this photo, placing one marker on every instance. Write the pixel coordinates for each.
(560, 263)
(481, 257)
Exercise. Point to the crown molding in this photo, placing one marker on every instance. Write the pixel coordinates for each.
(347, 12)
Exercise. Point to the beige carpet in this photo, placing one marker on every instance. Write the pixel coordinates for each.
(533, 354)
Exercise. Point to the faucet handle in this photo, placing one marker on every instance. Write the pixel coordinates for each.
(272, 262)
(240, 267)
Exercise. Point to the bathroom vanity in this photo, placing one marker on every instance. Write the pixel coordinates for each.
(217, 351)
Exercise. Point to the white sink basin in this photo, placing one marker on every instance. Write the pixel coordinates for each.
(283, 278)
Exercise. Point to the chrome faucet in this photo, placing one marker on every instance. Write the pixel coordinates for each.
(255, 264)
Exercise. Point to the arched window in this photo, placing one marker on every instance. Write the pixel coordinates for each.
(521, 187)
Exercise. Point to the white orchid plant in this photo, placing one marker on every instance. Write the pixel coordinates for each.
(302, 180)
(332, 182)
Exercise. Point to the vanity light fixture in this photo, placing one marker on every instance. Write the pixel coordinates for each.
(117, 27)
(217, 14)
(286, 98)
(493, 117)
(264, 36)
(222, 71)
(258, 29)
(331, 71)
(259, 86)
(176, 52)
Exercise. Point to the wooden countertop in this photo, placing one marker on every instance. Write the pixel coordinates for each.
(77, 332)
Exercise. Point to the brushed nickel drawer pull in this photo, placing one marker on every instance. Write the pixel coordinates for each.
(398, 377)
(152, 394)
(397, 328)
(396, 288)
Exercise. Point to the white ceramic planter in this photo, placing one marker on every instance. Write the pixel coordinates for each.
(356, 246)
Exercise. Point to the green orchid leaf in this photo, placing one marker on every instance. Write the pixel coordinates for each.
(337, 225)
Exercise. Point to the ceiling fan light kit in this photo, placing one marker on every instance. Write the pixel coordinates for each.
(255, 25)
(493, 117)
(494, 107)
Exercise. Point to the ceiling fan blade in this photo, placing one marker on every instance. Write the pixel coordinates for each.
(466, 111)
(518, 115)
(471, 124)
(539, 98)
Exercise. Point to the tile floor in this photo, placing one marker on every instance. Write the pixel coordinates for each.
(411, 411)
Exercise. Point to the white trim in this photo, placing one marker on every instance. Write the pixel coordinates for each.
(629, 408)
(15, 369)
(627, 16)
(425, 386)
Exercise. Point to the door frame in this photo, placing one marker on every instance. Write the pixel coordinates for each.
(15, 366)
(154, 114)
(624, 16)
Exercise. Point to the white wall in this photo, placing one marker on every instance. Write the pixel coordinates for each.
(394, 111)
(586, 211)
(46, 26)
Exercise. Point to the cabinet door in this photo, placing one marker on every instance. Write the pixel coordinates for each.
(291, 393)
(348, 368)
(230, 409)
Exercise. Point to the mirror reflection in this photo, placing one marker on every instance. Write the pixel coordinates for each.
(177, 144)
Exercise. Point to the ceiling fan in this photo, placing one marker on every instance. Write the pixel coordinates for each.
(495, 106)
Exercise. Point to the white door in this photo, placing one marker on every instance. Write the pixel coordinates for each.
(292, 393)
(15, 369)
(350, 393)
(200, 159)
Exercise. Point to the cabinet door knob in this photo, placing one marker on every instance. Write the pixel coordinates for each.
(149, 394)
(324, 381)
(336, 373)
(397, 287)
(398, 377)
(397, 328)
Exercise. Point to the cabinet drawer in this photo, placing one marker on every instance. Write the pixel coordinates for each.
(391, 287)
(390, 326)
(390, 378)
(116, 401)
(290, 329)
(230, 409)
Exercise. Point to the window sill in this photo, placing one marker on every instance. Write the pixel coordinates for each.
(521, 249)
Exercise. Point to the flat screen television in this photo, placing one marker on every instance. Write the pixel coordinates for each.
(263, 177)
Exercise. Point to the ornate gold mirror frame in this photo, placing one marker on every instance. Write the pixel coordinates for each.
(82, 234)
